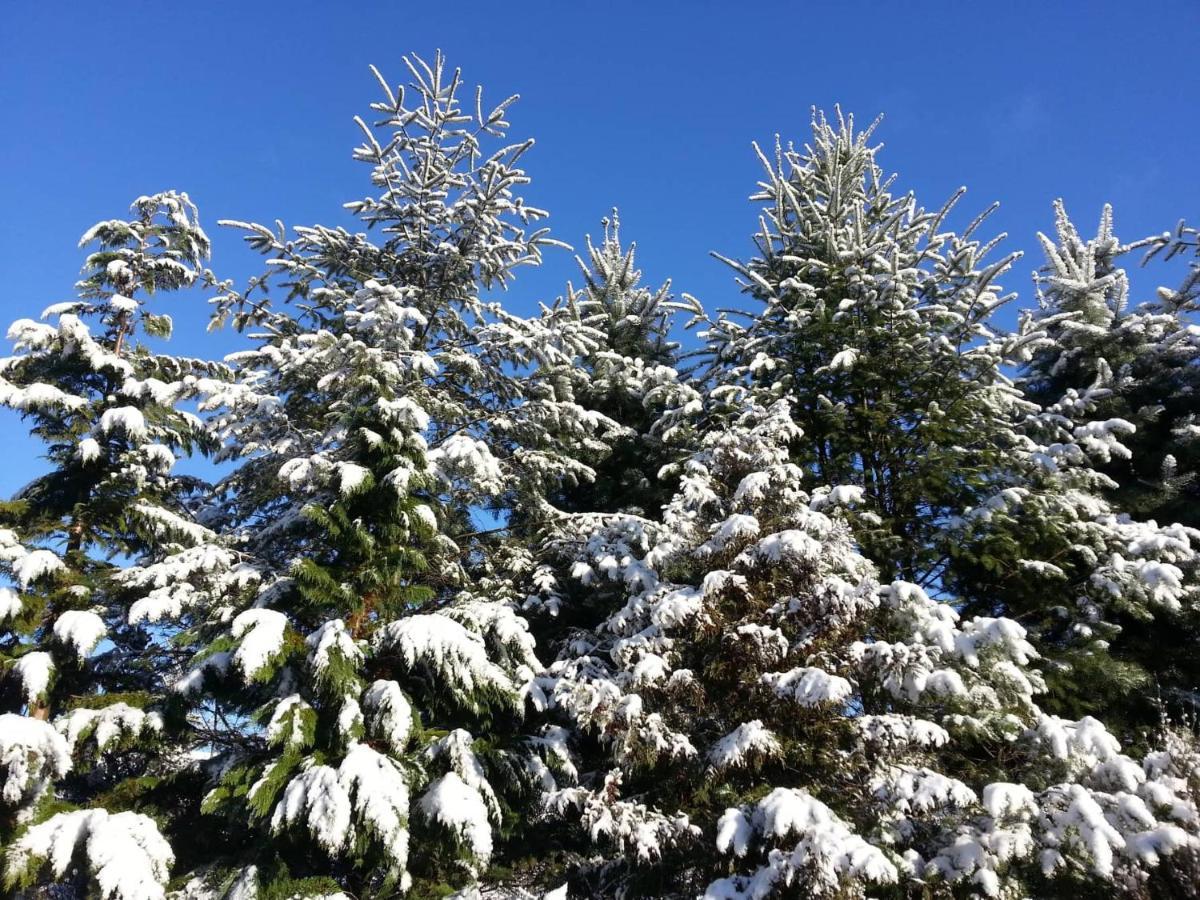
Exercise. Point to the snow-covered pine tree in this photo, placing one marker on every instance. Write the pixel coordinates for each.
(363, 698)
(1136, 362)
(1104, 359)
(630, 376)
(876, 324)
(762, 718)
(85, 722)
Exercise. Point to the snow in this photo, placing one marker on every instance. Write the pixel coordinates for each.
(34, 670)
(125, 855)
(1075, 820)
(750, 739)
(287, 725)
(391, 715)
(844, 360)
(107, 724)
(380, 797)
(10, 604)
(38, 397)
(261, 632)
(122, 304)
(462, 456)
(790, 545)
(737, 527)
(88, 450)
(367, 789)
(166, 523)
(81, 630)
(351, 477)
(808, 686)
(453, 803)
(32, 754)
(1003, 800)
(456, 655)
(901, 731)
(316, 798)
(35, 565)
(332, 638)
(1086, 741)
(456, 749)
(909, 789)
(127, 419)
(828, 850)
(734, 832)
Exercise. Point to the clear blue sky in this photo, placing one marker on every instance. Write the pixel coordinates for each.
(648, 106)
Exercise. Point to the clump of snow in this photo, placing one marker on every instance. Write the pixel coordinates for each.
(749, 740)
(10, 604)
(261, 632)
(32, 754)
(34, 565)
(127, 419)
(107, 724)
(391, 715)
(81, 630)
(452, 802)
(808, 686)
(34, 669)
(124, 853)
(456, 655)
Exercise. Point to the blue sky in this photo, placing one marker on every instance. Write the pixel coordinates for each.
(647, 106)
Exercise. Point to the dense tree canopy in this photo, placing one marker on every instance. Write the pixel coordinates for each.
(850, 591)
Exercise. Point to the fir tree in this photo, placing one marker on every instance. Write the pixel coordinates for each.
(83, 763)
(628, 374)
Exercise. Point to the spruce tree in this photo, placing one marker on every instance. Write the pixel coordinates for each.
(629, 374)
(763, 718)
(1135, 362)
(87, 729)
(877, 325)
(362, 684)
(1103, 358)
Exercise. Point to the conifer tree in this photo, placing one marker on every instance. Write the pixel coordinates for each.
(876, 324)
(629, 375)
(363, 681)
(82, 746)
(762, 718)
(1103, 358)
(1138, 363)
